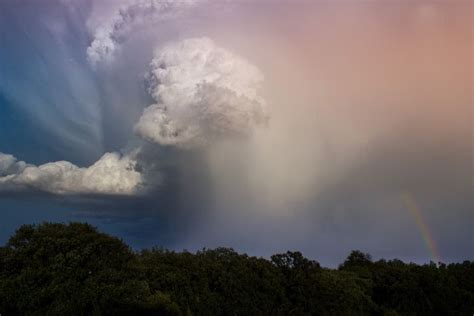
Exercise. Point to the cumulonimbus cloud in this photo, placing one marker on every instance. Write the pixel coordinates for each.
(111, 174)
(202, 92)
(108, 37)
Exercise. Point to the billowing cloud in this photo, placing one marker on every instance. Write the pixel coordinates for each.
(10, 165)
(109, 36)
(202, 93)
(111, 174)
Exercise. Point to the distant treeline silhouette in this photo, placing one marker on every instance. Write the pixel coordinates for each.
(58, 269)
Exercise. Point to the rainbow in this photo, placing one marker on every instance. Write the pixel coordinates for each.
(423, 226)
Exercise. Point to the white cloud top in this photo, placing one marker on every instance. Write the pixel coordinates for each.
(109, 36)
(202, 92)
(111, 174)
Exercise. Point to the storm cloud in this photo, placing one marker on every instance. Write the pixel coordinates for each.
(203, 93)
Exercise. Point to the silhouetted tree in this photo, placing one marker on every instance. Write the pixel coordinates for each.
(58, 269)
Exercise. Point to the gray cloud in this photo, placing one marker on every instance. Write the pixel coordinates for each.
(10, 165)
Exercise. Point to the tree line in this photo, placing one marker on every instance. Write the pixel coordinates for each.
(72, 269)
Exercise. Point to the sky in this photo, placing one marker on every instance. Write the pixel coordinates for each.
(265, 126)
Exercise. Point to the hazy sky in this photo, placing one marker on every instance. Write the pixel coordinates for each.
(266, 126)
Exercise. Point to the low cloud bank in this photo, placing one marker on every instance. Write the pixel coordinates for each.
(111, 174)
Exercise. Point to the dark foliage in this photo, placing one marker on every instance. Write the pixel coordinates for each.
(57, 269)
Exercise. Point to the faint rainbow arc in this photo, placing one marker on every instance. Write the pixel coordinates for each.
(423, 226)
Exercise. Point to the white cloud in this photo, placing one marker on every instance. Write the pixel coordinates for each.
(202, 92)
(111, 174)
(109, 35)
